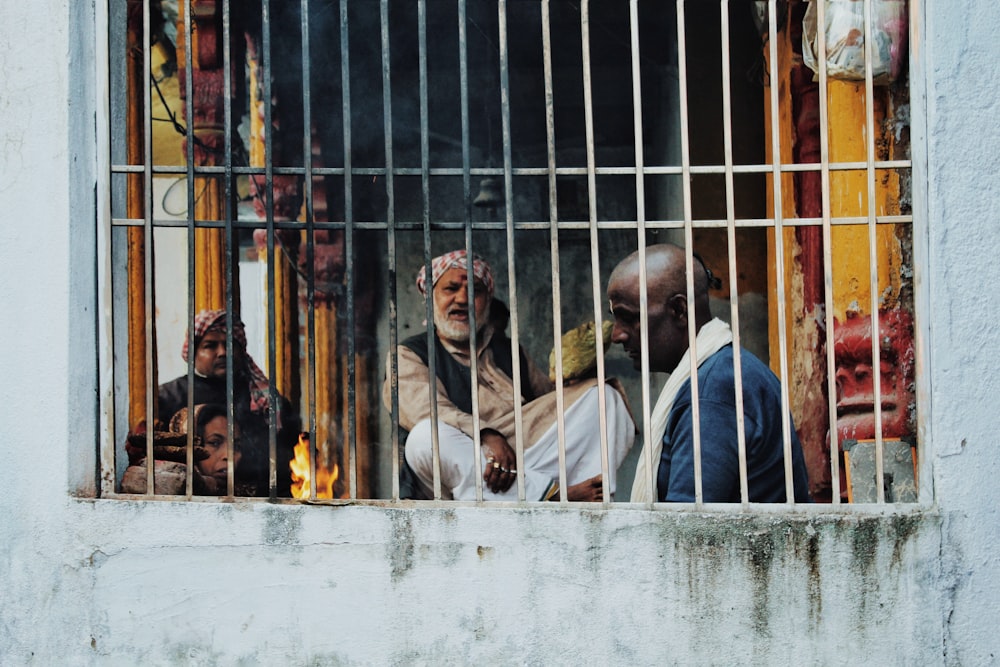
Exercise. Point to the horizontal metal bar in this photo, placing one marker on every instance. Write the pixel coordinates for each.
(651, 170)
(746, 223)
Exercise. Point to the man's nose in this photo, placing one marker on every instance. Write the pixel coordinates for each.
(462, 296)
(618, 334)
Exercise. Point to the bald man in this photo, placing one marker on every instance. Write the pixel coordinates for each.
(672, 448)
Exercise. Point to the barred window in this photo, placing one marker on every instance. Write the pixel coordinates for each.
(316, 209)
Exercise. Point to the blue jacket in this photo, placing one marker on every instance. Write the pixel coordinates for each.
(719, 446)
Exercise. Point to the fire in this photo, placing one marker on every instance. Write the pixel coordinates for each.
(301, 473)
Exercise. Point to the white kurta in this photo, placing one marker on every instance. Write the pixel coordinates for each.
(496, 411)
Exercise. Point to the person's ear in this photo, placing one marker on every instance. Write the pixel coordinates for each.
(677, 306)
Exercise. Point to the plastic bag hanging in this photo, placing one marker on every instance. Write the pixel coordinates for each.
(844, 32)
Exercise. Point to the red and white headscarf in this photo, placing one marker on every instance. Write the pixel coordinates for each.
(456, 259)
(214, 321)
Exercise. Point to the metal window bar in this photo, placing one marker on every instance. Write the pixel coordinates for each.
(307, 184)
(727, 136)
(607, 170)
(425, 205)
(508, 198)
(463, 66)
(873, 254)
(779, 250)
(640, 214)
(230, 217)
(189, 111)
(595, 262)
(692, 319)
(147, 202)
(352, 405)
(390, 195)
(831, 360)
(272, 358)
(409, 225)
(550, 141)
(641, 224)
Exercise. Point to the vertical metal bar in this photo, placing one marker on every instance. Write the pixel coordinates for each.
(831, 357)
(463, 69)
(307, 183)
(734, 295)
(640, 217)
(779, 246)
(425, 207)
(272, 362)
(345, 86)
(147, 184)
(230, 214)
(428, 272)
(515, 340)
(352, 377)
(189, 115)
(390, 196)
(105, 269)
(873, 251)
(391, 226)
(550, 141)
(692, 316)
(595, 261)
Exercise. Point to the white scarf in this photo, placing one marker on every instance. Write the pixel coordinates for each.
(712, 337)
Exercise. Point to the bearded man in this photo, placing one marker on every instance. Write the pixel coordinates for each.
(453, 314)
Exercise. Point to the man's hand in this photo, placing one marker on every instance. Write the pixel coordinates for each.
(501, 461)
(588, 491)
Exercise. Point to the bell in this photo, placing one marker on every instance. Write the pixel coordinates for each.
(489, 195)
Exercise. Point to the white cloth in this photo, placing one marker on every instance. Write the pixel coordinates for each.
(541, 459)
(712, 337)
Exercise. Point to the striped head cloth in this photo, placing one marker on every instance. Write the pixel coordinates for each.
(456, 259)
(214, 321)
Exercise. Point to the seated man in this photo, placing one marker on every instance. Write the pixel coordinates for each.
(459, 468)
(251, 399)
(672, 423)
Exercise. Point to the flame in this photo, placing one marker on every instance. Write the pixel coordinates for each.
(301, 473)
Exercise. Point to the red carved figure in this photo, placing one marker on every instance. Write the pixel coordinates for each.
(855, 384)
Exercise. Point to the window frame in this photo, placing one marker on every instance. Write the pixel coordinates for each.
(918, 169)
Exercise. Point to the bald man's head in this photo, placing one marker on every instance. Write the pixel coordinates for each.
(667, 304)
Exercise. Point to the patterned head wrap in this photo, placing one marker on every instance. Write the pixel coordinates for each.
(457, 259)
(214, 321)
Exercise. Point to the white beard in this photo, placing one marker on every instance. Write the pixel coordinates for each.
(458, 332)
(454, 331)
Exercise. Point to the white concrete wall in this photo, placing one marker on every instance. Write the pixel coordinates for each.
(105, 582)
